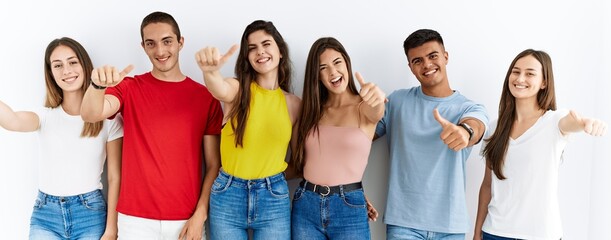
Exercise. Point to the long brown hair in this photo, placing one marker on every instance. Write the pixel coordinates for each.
(497, 144)
(315, 95)
(55, 95)
(246, 74)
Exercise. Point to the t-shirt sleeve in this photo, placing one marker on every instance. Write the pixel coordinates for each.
(215, 118)
(41, 112)
(115, 129)
(478, 111)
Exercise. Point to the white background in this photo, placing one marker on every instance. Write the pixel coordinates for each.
(482, 37)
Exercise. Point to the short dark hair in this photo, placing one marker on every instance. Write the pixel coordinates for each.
(420, 37)
(160, 17)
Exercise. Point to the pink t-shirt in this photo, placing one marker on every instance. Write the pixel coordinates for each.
(164, 126)
(336, 155)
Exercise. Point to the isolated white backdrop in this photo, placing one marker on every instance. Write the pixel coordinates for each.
(482, 37)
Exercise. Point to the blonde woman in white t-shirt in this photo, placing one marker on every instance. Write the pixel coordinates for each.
(518, 196)
(70, 204)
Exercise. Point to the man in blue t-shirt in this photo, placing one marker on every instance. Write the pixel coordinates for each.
(431, 129)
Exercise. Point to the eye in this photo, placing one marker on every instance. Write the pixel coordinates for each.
(515, 72)
(433, 56)
(167, 42)
(149, 44)
(530, 74)
(416, 61)
(322, 68)
(56, 66)
(74, 62)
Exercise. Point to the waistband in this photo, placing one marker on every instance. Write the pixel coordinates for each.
(260, 182)
(325, 190)
(52, 198)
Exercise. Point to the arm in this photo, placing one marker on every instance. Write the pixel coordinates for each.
(212, 158)
(17, 121)
(573, 122)
(97, 106)
(113, 173)
(478, 129)
(294, 107)
(482, 207)
(374, 99)
(210, 62)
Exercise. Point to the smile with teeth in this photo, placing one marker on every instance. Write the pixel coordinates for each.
(69, 80)
(430, 72)
(520, 86)
(162, 59)
(336, 81)
(262, 60)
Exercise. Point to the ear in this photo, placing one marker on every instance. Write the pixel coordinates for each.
(446, 55)
(181, 42)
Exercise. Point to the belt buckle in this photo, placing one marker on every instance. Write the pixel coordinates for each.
(323, 194)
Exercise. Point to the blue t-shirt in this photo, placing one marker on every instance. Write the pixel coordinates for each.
(427, 179)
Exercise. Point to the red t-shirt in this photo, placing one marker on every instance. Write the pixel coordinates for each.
(164, 126)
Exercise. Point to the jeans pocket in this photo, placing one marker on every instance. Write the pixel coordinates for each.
(298, 194)
(221, 184)
(96, 203)
(355, 198)
(38, 203)
(279, 189)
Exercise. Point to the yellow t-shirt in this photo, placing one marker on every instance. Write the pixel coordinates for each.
(266, 137)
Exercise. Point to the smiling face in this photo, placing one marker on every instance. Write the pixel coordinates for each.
(263, 52)
(428, 63)
(333, 71)
(526, 78)
(67, 69)
(162, 47)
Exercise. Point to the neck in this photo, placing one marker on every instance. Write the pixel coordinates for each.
(72, 102)
(438, 91)
(527, 109)
(268, 80)
(174, 75)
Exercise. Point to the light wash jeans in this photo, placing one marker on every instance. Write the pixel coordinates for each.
(261, 205)
(335, 216)
(73, 217)
(403, 233)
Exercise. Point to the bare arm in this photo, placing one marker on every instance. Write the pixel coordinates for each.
(573, 122)
(17, 121)
(210, 62)
(482, 207)
(455, 136)
(97, 106)
(294, 107)
(212, 158)
(373, 100)
(113, 173)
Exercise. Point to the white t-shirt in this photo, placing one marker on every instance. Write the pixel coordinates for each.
(525, 204)
(70, 164)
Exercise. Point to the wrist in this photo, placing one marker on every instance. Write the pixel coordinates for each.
(468, 128)
(97, 86)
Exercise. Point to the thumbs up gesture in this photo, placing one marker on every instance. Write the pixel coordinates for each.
(594, 127)
(452, 135)
(371, 94)
(209, 59)
(109, 76)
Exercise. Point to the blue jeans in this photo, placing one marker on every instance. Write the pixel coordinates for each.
(396, 232)
(261, 205)
(488, 236)
(340, 215)
(74, 217)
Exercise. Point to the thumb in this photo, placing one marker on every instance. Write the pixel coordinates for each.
(575, 116)
(359, 78)
(126, 71)
(439, 118)
(230, 53)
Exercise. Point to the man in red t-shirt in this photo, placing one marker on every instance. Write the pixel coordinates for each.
(167, 117)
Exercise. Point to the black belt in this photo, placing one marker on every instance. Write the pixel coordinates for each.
(325, 190)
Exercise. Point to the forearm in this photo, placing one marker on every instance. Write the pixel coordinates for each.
(478, 129)
(92, 107)
(217, 85)
(484, 200)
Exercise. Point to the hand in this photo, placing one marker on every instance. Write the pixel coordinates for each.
(193, 229)
(209, 60)
(371, 94)
(594, 127)
(452, 135)
(109, 76)
(372, 213)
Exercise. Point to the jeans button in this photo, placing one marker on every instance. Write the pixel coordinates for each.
(62, 200)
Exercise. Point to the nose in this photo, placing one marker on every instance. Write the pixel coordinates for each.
(260, 51)
(68, 69)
